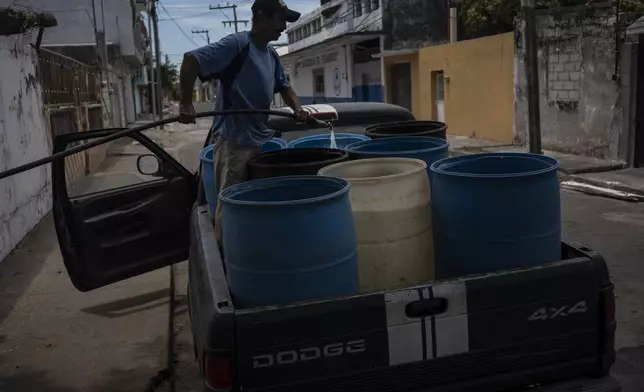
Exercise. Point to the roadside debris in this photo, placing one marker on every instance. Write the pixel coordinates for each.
(600, 191)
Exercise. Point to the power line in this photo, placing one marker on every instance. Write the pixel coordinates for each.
(177, 24)
(186, 17)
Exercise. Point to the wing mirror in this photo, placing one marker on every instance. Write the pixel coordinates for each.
(150, 165)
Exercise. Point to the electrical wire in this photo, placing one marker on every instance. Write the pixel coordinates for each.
(177, 24)
(366, 17)
(187, 16)
(126, 132)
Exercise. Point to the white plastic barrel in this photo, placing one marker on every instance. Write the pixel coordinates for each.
(392, 214)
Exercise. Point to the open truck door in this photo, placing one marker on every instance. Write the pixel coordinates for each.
(123, 230)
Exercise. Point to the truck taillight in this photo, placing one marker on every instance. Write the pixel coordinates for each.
(608, 327)
(608, 299)
(218, 371)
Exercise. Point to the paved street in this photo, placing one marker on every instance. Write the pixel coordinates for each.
(54, 338)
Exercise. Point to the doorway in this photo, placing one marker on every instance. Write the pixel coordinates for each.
(366, 82)
(439, 93)
(639, 107)
(401, 85)
(318, 86)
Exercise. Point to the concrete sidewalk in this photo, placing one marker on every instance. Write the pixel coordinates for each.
(626, 184)
(570, 163)
(55, 338)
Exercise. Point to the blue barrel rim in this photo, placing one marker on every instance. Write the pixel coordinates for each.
(203, 152)
(421, 167)
(327, 135)
(227, 195)
(406, 123)
(279, 141)
(452, 161)
(351, 148)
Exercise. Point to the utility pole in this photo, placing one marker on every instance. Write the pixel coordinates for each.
(532, 76)
(210, 86)
(153, 96)
(235, 21)
(207, 32)
(157, 51)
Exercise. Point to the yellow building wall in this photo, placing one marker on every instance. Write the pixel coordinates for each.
(479, 85)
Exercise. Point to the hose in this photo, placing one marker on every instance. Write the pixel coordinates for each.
(126, 132)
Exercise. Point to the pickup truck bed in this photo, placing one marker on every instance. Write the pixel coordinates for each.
(487, 332)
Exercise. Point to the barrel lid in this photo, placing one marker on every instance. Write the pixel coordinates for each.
(448, 166)
(232, 195)
(415, 166)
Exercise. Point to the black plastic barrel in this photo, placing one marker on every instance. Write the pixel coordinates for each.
(435, 129)
(293, 162)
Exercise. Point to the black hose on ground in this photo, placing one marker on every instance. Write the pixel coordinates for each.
(126, 132)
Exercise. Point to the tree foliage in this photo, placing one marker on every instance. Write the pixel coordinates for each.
(169, 76)
(479, 18)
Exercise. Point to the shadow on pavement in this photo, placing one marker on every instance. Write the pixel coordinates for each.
(131, 305)
(629, 368)
(24, 263)
(29, 380)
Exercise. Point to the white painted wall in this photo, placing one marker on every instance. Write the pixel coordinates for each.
(340, 24)
(130, 106)
(24, 136)
(301, 73)
(371, 68)
(76, 25)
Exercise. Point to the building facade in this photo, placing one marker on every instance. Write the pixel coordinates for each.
(329, 57)
(466, 84)
(82, 25)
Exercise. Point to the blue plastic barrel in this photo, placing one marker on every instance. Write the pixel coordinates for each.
(427, 149)
(274, 144)
(342, 140)
(208, 178)
(495, 211)
(289, 239)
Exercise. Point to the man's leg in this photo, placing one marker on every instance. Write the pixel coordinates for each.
(230, 162)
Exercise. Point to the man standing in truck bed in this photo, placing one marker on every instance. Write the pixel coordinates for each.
(249, 73)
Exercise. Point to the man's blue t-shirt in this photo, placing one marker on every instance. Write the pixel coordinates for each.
(261, 76)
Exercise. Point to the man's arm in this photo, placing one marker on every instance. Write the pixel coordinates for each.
(187, 76)
(205, 63)
(290, 98)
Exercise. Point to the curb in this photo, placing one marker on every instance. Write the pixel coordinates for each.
(612, 185)
(609, 166)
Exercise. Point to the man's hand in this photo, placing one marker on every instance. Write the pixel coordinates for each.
(302, 115)
(186, 113)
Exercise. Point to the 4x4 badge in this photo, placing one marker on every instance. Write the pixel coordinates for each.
(544, 314)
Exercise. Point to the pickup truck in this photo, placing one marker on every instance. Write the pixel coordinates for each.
(548, 328)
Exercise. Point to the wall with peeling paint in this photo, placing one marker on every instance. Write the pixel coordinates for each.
(581, 102)
(410, 24)
(24, 198)
(76, 21)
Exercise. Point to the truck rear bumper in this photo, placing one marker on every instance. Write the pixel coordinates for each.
(604, 384)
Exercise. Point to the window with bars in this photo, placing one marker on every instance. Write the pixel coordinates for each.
(318, 82)
(357, 8)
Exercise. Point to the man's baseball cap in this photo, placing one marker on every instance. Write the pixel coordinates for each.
(276, 6)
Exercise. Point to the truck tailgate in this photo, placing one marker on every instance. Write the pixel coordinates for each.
(494, 331)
